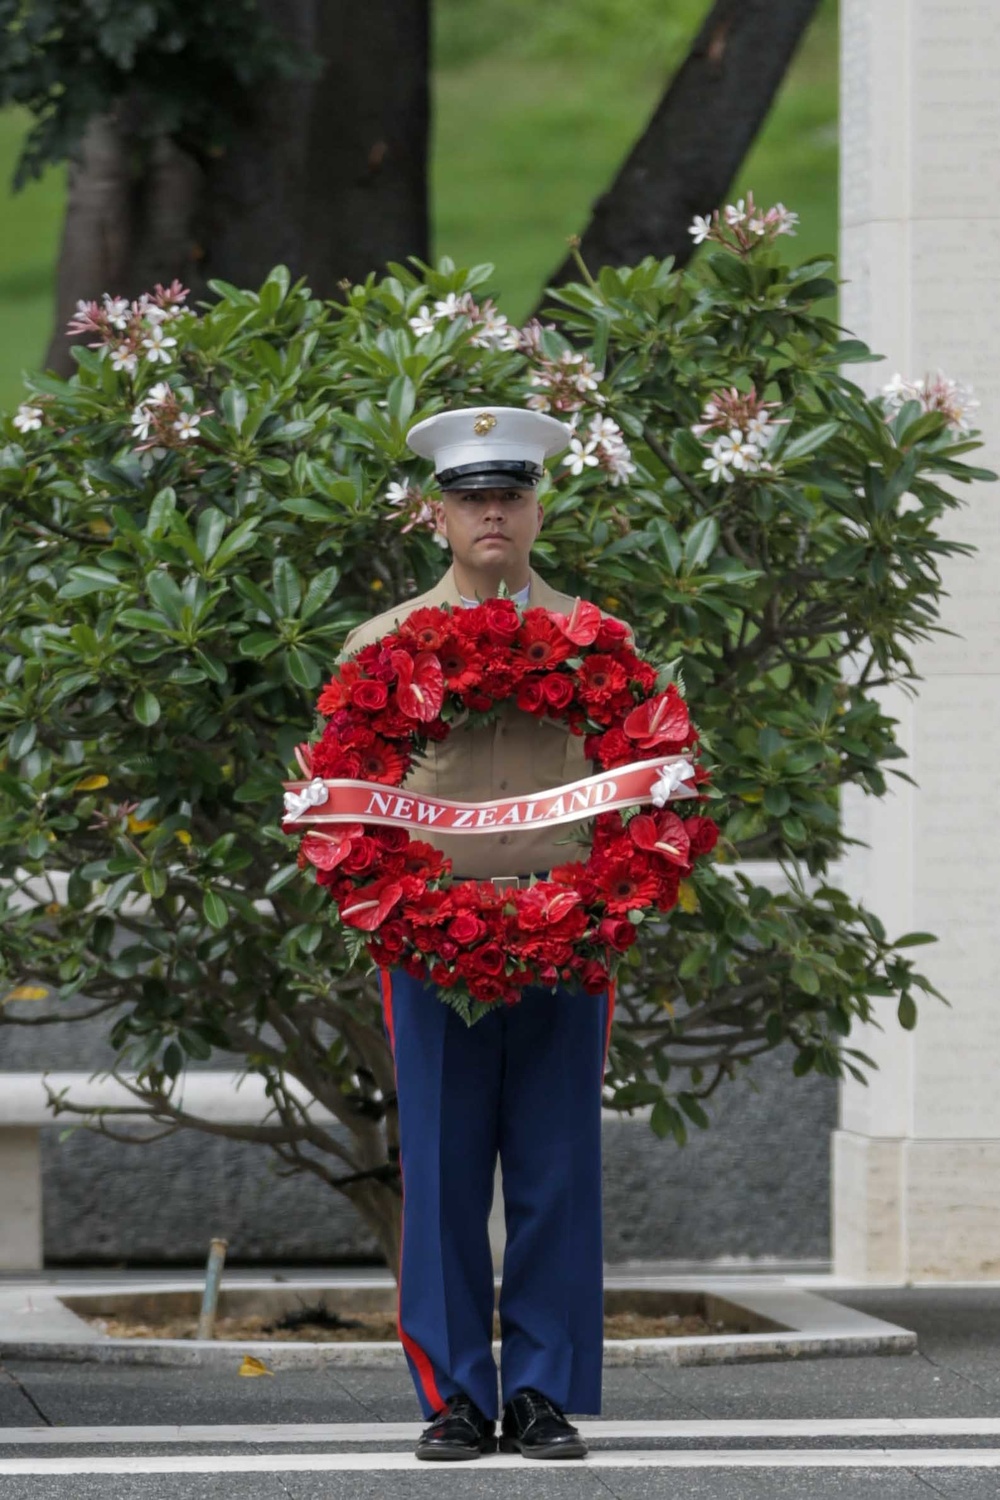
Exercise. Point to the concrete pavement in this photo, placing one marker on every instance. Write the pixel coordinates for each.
(895, 1427)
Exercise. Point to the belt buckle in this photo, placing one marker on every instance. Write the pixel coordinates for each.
(501, 882)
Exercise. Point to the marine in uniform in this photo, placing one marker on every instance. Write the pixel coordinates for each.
(524, 1083)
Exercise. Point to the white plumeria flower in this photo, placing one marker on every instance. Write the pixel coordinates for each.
(718, 471)
(586, 377)
(783, 219)
(735, 450)
(897, 390)
(620, 465)
(312, 795)
(453, 306)
(736, 212)
(116, 308)
(124, 358)
(583, 455)
(757, 226)
(28, 418)
(397, 494)
(760, 431)
(538, 402)
(492, 328)
(670, 779)
(154, 314)
(159, 393)
(141, 422)
(439, 540)
(605, 429)
(157, 344)
(423, 322)
(186, 425)
(700, 229)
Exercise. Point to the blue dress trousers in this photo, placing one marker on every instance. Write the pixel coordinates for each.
(523, 1084)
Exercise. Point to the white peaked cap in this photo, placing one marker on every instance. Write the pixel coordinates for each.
(480, 447)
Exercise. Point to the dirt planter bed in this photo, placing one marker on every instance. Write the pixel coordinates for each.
(309, 1325)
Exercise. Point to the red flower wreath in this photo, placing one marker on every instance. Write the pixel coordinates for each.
(481, 945)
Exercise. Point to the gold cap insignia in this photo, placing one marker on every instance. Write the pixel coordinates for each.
(484, 423)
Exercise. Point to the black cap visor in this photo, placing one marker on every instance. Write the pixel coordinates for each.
(506, 473)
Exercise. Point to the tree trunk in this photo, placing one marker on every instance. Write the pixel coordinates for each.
(327, 176)
(700, 132)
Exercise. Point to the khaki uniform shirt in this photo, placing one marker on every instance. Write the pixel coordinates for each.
(519, 754)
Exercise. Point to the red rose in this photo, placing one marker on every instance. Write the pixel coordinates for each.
(531, 696)
(611, 633)
(466, 928)
(370, 696)
(593, 976)
(362, 857)
(502, 621)
(487, 989)
(557, 691)
(618, 932)
(488, 959)
(703, 833)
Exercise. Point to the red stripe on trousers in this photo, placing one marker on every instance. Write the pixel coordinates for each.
(425, 1371)
(612, 993)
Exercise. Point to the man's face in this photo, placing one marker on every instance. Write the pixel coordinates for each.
(490, 528)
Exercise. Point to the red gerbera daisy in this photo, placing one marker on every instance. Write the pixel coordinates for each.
(460, 663)
(543, 644)
(626, 886)
(381, 761)
(423, 628)
(600, 678)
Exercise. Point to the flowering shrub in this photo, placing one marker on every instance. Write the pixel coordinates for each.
(172, 596)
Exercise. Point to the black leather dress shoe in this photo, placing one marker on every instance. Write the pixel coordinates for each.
(535, 1427)
(459, 1430)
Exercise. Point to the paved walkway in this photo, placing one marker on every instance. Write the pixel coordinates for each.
(895, 1428)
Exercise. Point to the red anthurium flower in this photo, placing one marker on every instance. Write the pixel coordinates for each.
(662, 719)
(665, 834)
(582, 623)
(420, 687)
(327, 850)
(368, 907)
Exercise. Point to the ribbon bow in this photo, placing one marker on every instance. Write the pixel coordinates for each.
(668, 781)
(297, 803)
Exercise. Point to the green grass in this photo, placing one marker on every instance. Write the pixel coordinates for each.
(534, 109)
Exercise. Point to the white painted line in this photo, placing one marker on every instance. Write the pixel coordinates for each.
(742, 1458)
(406, 1432)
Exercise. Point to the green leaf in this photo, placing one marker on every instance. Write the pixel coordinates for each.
(805, 977)
(155, 880)
(287, 587)
(906, 1011)
(700, 542)
(146, 707)
(22, 740)
(215, 910)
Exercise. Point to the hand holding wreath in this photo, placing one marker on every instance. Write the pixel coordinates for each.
(481, 945)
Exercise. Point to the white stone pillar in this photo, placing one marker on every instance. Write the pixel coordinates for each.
(916, 1192)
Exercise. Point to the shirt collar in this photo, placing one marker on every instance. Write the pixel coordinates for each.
(521, 597)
